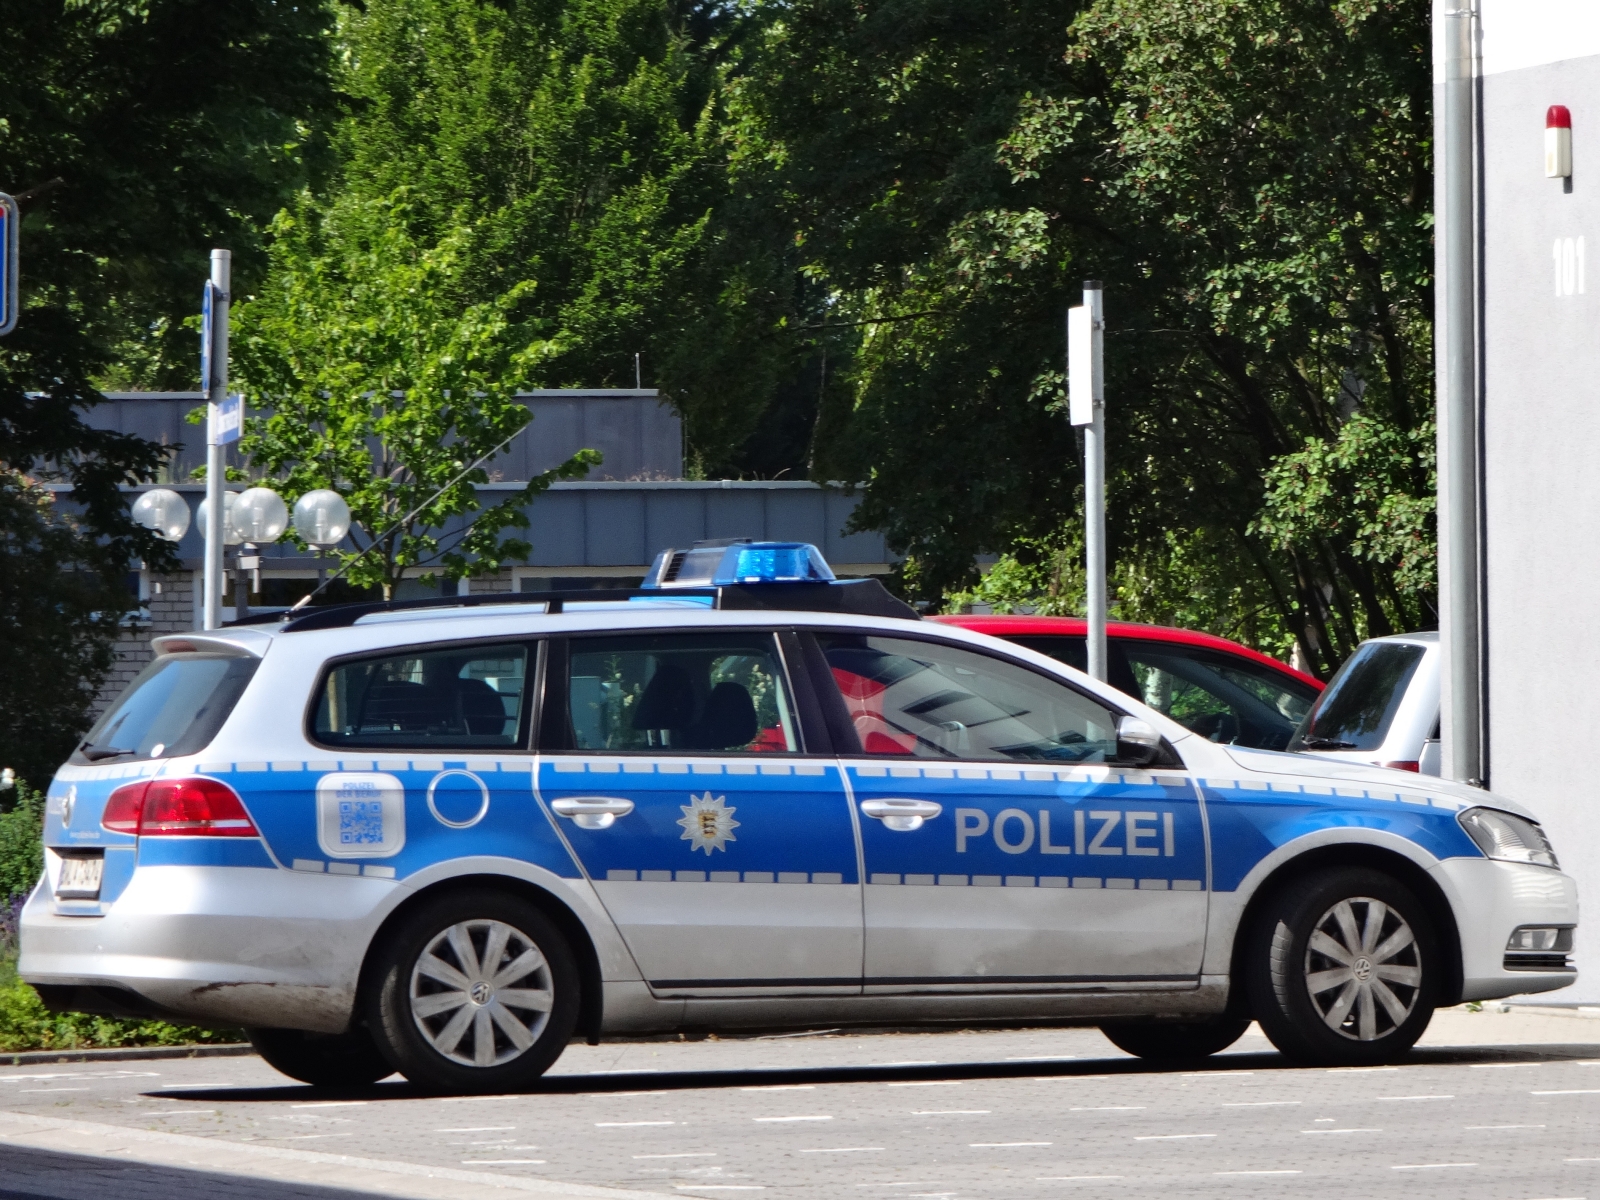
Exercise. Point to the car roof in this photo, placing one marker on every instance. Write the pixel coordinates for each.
(1011, 625)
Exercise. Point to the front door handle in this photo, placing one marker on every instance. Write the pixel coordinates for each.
(902, 815)
(592, 812)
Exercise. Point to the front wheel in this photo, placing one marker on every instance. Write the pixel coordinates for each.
(476, 991)
(331, 1060)
(1343, 968)
(1175, 1041)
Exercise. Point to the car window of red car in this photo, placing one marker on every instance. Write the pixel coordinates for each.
(910, 698)
(1221, 697)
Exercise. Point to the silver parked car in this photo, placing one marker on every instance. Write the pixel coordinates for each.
(1380, 707)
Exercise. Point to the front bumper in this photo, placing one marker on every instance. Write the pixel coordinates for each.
(222, 946)
(1490, 899)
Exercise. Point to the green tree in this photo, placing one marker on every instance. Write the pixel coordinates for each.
(585, 143)
(1252, 181)
(136, 135)
(386, 382)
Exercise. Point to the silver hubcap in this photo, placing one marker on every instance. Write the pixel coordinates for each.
(481, 993)
(1363, 969)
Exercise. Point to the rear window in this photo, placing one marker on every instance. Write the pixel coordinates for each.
(174, 707)
(1359, 705)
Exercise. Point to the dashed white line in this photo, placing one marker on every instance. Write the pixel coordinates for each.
(1172, 1137)
(1416, 1097)
(927, 1083)
(1430, 1166)
(776, 1119)
(504, 1162)
(783, 1087)
(1108, 1108)
(1068, 1178)
(479, 1129)
(1004, 1145)
(1504, 1066)
(180, 1112)
(1341, 1131)
(1569, 1092)
(332, 1104)
(1502, 1127)
(720, 1187)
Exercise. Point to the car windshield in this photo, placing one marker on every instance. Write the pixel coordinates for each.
(1359, 705)
(174, 707)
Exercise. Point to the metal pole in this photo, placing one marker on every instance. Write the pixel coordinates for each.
(216, 389)
(1086, 395)
(1459, 615)
(1094, 490)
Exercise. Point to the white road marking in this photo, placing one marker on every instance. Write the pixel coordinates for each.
(1430, 1166)
(1569, 1092)
(843, 1150)
(503, 1162)
(1358, 1070)
(779, 1087)
(1001, 1145)
(771, 1119)
(1502, 1127)
(1416, 1097)
(332, 1104)
(720, 1187)
(928, 1083)
(305, 1137)
(28, 1091)
(180, 1112)
(1039, 1057)
(1341, 1131)
(1215, 1074)
(1066, 1178)
(1507, 1066)
(1108, 1108)
(479, 1129)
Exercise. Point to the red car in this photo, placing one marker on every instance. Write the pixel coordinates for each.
(1222, 690)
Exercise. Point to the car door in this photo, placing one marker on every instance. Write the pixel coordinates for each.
(724, 852)
(1003, 848)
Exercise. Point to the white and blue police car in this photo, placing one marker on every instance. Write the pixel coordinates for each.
(447, 837)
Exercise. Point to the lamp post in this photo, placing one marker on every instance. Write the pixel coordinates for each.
(322, 519)
(260, 517)
(1086, 402)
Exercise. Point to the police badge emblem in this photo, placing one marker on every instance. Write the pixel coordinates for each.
(708, 823)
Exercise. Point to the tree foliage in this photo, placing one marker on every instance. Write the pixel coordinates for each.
(1252, 181)
(387, 382)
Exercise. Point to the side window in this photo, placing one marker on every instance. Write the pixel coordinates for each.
(1217, 697)
(680, 694)
(463, 697)
(920, 699)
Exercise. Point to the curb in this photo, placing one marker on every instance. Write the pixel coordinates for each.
(29, 1058)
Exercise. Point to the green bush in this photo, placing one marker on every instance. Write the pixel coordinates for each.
(25, 1023)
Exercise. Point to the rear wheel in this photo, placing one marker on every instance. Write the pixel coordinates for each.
(333, 1060)
(1343, 968)
(1175, 1041)
(476, 991)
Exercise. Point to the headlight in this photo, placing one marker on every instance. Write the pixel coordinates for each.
(1508, 838)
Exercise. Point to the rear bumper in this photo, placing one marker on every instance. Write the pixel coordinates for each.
(1490, 899)
(222, 946)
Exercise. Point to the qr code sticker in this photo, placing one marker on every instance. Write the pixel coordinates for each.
(360, 822)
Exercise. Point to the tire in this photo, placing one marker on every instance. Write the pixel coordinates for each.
(449, 1024)
(330, 1060)
(1343, 968)
(1175, 1041)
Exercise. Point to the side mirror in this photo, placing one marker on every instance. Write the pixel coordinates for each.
(1137, 741)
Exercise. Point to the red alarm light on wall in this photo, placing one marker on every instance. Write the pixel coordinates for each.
(1557, 142)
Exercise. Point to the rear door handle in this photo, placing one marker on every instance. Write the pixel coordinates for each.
(902, 815)
(592, 812)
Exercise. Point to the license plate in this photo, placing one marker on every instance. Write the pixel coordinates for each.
(80, 878)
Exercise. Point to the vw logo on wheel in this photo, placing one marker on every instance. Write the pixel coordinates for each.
(481, 993)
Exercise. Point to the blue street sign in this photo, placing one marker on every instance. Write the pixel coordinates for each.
(230, 419)
(205, 338)
(10, 294)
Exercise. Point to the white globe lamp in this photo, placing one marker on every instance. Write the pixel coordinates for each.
(322, 518)
(164, 511)
(230, 530)
(260, 516)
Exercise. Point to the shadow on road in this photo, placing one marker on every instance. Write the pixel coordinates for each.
(633, 1081)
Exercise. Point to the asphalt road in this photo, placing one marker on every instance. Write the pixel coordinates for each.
(1505, 1107)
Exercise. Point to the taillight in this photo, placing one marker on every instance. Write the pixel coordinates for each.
(1404, 766)
(178, 808)
(124, 806)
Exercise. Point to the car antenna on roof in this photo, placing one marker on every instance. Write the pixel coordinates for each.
(454, 479)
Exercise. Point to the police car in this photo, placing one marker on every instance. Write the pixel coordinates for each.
(448, 837)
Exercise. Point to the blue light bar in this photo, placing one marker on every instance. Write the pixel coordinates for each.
(720, 564)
